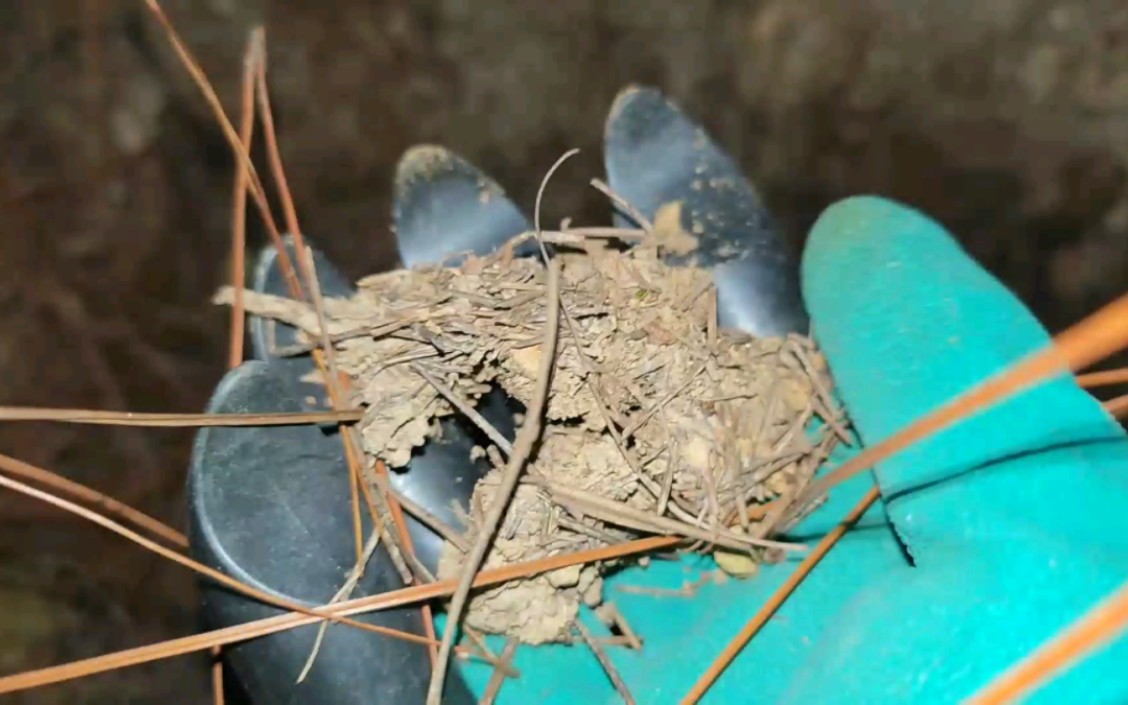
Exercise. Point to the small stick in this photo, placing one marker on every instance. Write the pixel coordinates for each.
(242, 154)
(605, 232)
(634, 213)
(497, 679)
(668, 477)
(469, 411)
(687, 589)
(379, 508)
(488, 656)
(350, 584)
(1086, 342)
(526, 438)
(593, 532)
(611, 610)
(608, 667)
(1100, 625)
(624, 515)
(422, 514)
(641, 421)
(617, 641)
(828, 413)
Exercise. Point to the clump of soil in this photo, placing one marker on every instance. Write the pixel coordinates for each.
(657, 422)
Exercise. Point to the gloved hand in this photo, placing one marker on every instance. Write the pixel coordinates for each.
(990, 537)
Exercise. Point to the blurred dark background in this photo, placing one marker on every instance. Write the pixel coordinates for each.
(1006, 120)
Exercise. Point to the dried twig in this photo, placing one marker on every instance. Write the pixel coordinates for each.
(687, 589)
(523, 448)
(242, 155)
(422, 514)
(217, 676)
(615, 512)
(251, 58)
(349, 585)
(497, 678)
(467, 410)
(610, 613)
(624, 205)
(526, 438)
(608, 667)
(486, 654)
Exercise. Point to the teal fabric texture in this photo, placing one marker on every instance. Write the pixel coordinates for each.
(989, 537)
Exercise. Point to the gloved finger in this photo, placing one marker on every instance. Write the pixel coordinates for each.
(270, 339)
(441, 475)
(267, 507)
(908, 320)
(655, 155)
(444, 206)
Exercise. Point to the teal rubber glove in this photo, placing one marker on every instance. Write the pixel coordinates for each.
(990, 536)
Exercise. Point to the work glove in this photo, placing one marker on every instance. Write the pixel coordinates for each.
(987, 539)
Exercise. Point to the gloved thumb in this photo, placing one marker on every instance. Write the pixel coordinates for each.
(908, 320)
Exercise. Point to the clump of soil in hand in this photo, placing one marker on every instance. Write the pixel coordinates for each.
(657, 422)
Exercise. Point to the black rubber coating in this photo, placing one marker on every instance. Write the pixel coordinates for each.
(655, 155)
(269, 506)
(445, 206)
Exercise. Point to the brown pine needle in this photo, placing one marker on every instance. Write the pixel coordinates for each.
(200, 568)
(309, 274)
(255, 185)
(1092, 339)
(97, 499)
(604, 661)
(1100, 625)
(522, 449)
(1118, 407)
(497, 678)
(251, 59)
(242, 155)
(217, 677)
(761, 618)
(271, 625)
(526, 439)
(162, 420)
(1103, 378)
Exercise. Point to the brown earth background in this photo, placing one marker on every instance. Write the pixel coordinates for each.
(1007, 120)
